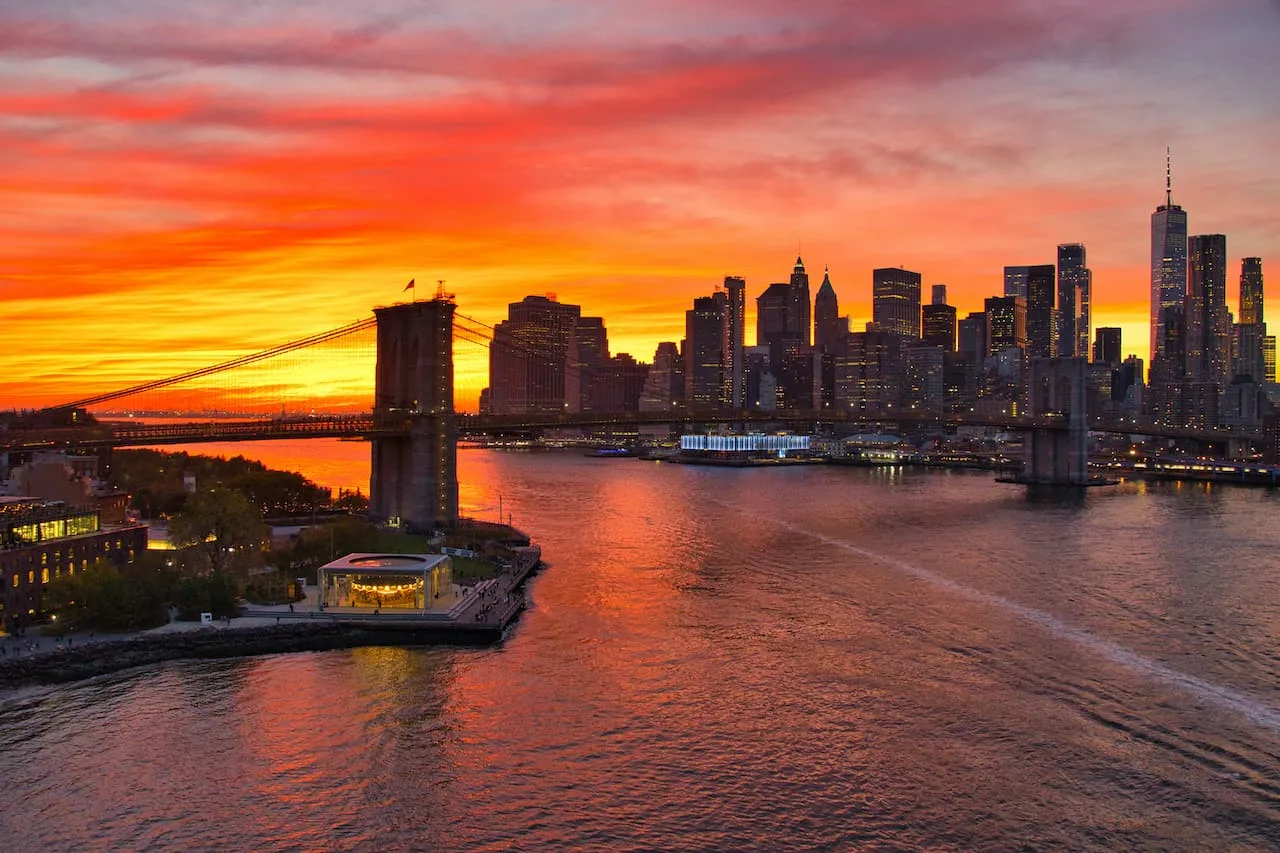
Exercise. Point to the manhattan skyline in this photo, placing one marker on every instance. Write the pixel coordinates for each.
(184, 186)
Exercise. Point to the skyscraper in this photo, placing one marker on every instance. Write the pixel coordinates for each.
(828, 331)
(703, 358)
(800, 317)
(664, 385)
(1208, 342)
(1168, 262)
(1015, 281)
(771, 314)
(1006, 323)
(1106, 349)
(895, 301)
(1251, 291)
(528, 359)
(587, 355)
(971, 337)
(735, 388)
(1074, 284)
(1251, 331)
(1040, 311)
(938, 321)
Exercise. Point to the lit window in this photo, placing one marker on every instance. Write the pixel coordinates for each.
(44, 576)
(31, 577)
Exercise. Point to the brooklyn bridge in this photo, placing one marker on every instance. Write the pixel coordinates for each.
(413, 429)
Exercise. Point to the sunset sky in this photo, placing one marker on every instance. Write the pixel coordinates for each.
(185, 182)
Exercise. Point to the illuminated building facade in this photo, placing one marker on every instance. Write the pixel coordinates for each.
(1006, 324)
(1251, 332)
(895, 301)
(528, 357)
(42, 540)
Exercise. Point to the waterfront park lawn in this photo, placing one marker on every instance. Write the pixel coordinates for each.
(467, 568)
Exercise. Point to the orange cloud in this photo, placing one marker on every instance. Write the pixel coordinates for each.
(177, 194)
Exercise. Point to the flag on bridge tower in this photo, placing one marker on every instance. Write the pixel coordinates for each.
(409, 286)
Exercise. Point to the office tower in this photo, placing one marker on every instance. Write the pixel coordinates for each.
(799, 319)
(762, 387)
(828, 330)
(1251, 291)
(1015, 281)
(1246, 352)
(923, 381)
(1074, 286)
(1127, 387)
(528, 358)
(587, 354)
(869, 374)
(1168, 262)
(1208, 324)
(1041, 292)
(735, 369)
(703, 358)
(895, 301)
(1006, 324)
(971, 337)
(938, 321)
(664, 385)
(1269, 358)
(1250, 333)
(1168, 382)
(618, 384)
(1106, 349)
(771, 314)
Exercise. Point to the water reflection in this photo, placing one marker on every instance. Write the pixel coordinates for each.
(716, 659)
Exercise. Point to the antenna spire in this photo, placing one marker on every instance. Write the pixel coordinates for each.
(1168, 176)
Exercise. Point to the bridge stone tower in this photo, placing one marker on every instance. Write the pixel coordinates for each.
(414, 477)
(1058, 456)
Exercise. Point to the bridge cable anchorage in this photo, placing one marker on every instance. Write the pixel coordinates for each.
(313, 340)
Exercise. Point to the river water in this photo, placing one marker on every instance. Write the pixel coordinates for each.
(806, 658)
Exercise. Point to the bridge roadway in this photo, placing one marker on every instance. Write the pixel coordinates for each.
(366, 426)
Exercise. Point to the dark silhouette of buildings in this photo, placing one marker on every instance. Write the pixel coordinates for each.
(1075, 283)
(734, 342)
(703, 350)
(1168, 265)
(828, 330)
(1106, 348)
(1041, 293)
(938, 321)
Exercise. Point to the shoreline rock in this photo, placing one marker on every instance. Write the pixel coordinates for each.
(90, 660)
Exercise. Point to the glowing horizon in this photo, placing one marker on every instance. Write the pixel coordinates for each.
(183, 186)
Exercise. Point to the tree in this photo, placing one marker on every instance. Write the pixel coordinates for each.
(109, 598)
(223, 528)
